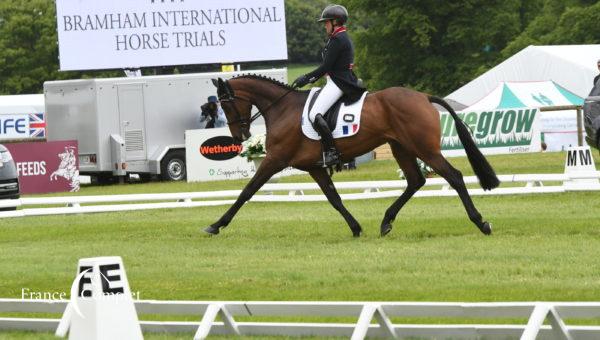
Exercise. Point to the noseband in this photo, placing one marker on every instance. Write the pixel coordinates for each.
(230, 98)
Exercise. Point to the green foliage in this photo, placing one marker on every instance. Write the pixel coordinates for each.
(560, 22)
(29, 48)
(305, 36)
(437, 46)
(430, 45)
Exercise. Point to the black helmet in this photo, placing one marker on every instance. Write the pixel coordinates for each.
(335, 12)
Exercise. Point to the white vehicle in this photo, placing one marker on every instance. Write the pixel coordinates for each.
(132, 125)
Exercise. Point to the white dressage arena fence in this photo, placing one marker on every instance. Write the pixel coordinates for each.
(382, 313)
(529, 184)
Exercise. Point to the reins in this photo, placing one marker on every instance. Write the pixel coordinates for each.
(231, 98)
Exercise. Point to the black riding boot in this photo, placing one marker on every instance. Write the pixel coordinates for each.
(331, 156)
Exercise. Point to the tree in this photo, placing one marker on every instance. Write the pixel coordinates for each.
(560, 22)
(430, 45)
(305, 36)
(29, 48)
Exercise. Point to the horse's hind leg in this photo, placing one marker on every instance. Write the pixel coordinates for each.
(322, 178)
(414, 179)
(454, 177)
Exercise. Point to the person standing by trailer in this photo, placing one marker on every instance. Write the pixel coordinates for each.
(212, 115)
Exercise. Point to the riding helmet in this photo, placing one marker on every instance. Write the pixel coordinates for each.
(335, 12)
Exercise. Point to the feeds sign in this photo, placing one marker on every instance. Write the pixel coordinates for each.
(135, 33)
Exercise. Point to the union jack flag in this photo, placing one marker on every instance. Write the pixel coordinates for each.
(37, 125)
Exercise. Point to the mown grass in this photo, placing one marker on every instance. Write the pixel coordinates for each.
(296, 70)
(544, 247)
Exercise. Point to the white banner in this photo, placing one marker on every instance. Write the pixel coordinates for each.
(136, 33)
(211, 155)
(14, 126)
(22, 126)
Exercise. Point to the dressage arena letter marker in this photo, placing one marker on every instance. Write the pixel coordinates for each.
(101, 305)
(580, 162)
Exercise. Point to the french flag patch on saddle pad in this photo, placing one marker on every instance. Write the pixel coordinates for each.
(348, 118)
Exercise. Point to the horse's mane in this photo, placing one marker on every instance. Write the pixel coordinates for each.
(270, 80)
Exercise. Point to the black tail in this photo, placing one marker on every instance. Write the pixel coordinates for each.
(487, 177)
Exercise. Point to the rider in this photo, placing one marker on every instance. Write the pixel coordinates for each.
(338, 60)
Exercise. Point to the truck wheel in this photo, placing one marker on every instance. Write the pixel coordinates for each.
(172, 167)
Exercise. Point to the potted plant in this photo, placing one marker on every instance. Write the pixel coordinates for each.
(426, 170)
(254, 150)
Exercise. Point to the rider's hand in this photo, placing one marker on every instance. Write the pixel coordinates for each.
(300, 81)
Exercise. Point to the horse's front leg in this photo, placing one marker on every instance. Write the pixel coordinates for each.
(265, 171)
(322, 178)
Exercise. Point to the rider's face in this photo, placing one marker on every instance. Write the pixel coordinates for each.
(329, 26)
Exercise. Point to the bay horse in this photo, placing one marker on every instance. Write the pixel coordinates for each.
(403, 118)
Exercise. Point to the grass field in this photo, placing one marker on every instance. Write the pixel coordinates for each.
(296, 70)
(544, 247)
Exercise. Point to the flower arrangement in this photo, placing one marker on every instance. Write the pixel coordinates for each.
(254, 147)
(426, 170)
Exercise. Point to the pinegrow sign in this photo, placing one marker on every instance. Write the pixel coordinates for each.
(495, 132)
(134, 33)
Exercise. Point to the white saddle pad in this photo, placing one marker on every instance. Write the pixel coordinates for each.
(348, 120)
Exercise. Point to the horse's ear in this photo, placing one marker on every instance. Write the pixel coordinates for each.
(215, 83)
(220, 85)
(229, 88)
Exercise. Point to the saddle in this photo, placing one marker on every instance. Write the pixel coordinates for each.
(331, 115)
(344, 125)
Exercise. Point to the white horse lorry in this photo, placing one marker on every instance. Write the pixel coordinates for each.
(132, 125)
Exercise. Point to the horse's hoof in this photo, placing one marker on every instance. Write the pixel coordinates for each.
(212, 230)
(486, 228)
(385, 229)
(357, 233)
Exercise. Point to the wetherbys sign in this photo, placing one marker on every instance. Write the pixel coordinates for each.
(220, 148)
(211, 155)
(495, 131)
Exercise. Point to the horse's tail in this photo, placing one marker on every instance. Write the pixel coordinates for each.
(484, 171)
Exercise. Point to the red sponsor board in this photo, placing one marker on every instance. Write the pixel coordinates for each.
(46, 167)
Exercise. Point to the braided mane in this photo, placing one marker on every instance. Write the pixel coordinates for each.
(270, 80)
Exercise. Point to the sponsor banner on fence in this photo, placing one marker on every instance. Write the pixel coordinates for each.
(22, 126)
(211, 155)
(499, 131)
(135, 33)
(46, 167)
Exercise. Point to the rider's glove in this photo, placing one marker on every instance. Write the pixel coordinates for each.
(300, 81)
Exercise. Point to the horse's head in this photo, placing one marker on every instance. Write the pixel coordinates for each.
(237, 110)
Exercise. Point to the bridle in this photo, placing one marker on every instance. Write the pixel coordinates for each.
(229, 97)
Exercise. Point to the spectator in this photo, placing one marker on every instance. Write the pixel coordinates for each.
(598, 76)
(212, 115)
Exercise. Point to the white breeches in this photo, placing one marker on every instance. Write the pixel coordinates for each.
(329, 95)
